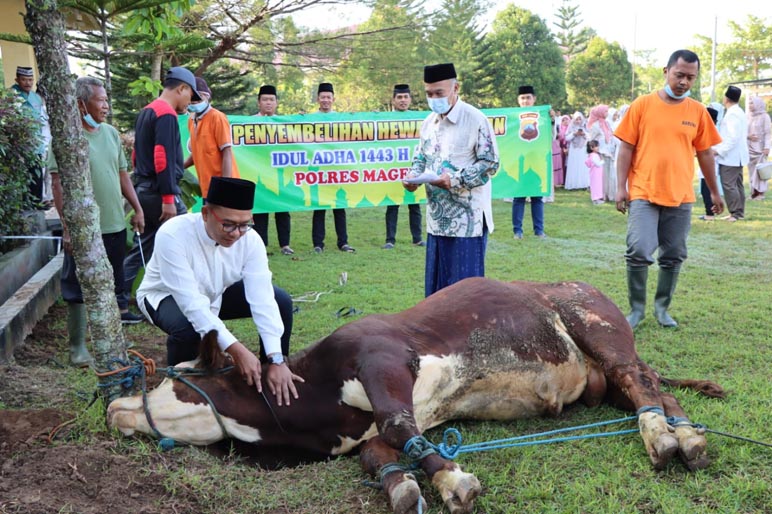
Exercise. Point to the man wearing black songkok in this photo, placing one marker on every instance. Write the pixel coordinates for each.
(208, 267)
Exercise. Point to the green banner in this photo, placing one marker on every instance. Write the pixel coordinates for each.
(335, 160)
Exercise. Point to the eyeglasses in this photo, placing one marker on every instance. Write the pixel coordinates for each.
(230, 227)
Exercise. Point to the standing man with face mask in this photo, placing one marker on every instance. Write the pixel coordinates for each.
(34, 105)
(210, 145)
(268, 102)
(111, 184)
(325, 96)
(400, 102)
(659, 137)
(158, 163)
(526, 97)
(455, 159)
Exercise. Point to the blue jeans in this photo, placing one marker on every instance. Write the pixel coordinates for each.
(537, 213)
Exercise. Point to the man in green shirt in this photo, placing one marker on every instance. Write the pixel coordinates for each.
(111, 184)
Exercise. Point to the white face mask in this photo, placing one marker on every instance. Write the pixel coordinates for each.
(439, 105)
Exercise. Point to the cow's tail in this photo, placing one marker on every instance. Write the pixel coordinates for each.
(706, 387)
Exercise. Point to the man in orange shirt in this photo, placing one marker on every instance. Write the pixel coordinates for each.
(660, 135)
(210, 141)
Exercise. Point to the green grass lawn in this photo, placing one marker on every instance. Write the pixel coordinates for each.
(722, 304)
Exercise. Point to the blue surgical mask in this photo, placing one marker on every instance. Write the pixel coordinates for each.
(439, 105)
(90, 121)
(198, 108)
(674, 96)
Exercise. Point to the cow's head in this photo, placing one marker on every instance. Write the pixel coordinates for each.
(180, 412)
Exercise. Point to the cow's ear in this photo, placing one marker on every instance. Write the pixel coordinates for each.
(209, 353)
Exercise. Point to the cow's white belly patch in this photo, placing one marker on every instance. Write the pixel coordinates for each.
(493, 382)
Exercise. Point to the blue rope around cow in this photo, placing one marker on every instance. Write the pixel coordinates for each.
(451, 446)
(140, 367)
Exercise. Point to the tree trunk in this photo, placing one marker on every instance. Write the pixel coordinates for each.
(106, 56)
(81, 213)
(155, 65)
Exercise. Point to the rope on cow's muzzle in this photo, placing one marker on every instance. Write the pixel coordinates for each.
(141, 366)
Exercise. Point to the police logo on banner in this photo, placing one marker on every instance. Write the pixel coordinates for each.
(529, 126)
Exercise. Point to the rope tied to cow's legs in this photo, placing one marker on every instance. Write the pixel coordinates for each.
(418, 448)
(386, 469)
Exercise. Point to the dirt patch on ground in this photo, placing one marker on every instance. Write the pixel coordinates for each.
(67, 474)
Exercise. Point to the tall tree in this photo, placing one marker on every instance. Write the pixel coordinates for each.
(372, 65)
(571, 36)
(749, 55)
(524, 52)
(45, 25)
(457, 37)
(96, 44)
(602, 74)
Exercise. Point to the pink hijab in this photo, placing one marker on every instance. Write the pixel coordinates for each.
(599, 113)
(563, 127)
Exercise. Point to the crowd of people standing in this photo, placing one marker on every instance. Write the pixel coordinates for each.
(604, 152)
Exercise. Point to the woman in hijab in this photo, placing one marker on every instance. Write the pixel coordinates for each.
(598, 129)
(758, 144)
(577, 175)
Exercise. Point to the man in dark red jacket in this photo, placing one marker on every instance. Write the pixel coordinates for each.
(158, 163)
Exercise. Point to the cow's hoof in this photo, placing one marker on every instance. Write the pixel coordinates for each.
(458, 489)
(661, 444)
(692, 448)
(663, 450)
(405, 497)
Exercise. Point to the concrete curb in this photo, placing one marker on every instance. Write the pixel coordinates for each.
(22, 311)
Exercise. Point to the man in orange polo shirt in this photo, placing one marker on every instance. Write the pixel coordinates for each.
(210, 142)
(660, 135)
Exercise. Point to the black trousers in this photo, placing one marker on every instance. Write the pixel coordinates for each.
(182, 341)
(318, 231)
(392, 213)
(151, 205)
(282, 227)
(115, 248)
(705, 192)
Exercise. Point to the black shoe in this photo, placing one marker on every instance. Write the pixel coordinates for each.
(129, 318)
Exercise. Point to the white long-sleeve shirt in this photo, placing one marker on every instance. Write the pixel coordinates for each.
(188, 265)
(733, 148)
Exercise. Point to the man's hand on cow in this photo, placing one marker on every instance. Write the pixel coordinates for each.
(281, 381)
(247, 363)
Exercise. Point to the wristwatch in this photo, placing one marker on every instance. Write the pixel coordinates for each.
(276, 358)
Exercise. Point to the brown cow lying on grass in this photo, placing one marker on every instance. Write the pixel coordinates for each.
(479, 349)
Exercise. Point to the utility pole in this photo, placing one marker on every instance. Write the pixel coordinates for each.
(713, 62)
(632, 75)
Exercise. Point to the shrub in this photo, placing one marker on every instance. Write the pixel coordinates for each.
(18, 151)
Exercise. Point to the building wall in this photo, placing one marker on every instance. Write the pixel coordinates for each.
(14, 54)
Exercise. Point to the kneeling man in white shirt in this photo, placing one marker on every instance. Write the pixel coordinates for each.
(208, 267)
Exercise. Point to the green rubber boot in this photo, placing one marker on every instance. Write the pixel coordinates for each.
(666, 284)
(636, 293)
(77, 328)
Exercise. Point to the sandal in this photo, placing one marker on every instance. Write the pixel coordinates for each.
(347, 311)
